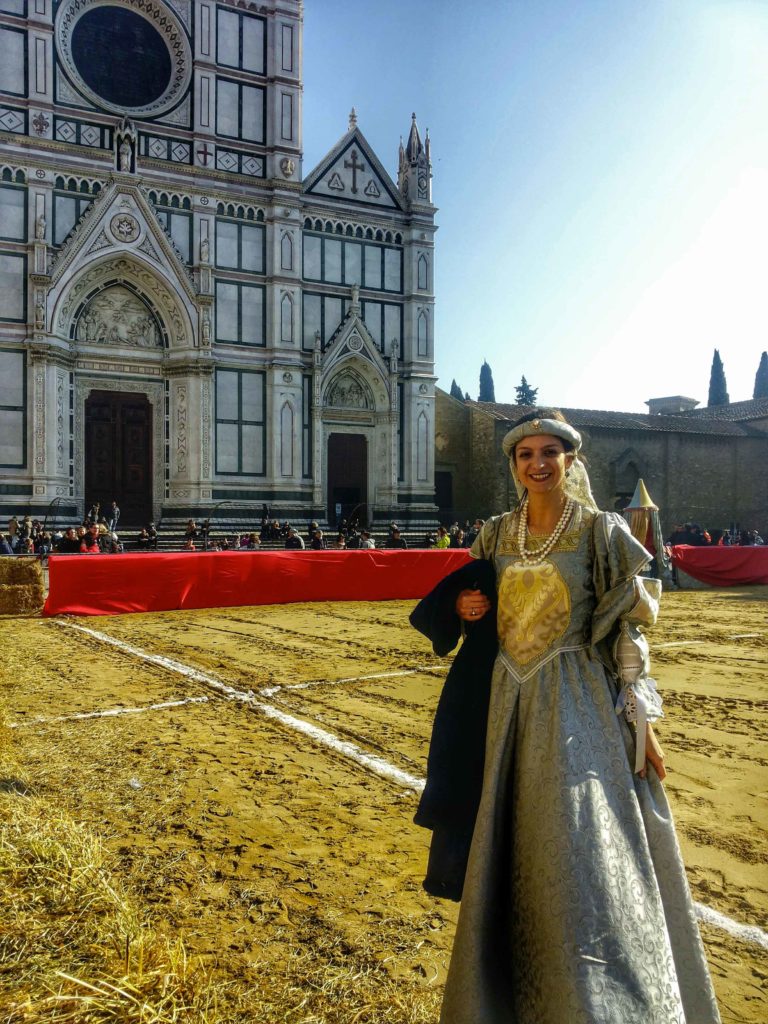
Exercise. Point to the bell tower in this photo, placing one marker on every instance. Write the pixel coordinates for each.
(414, 175)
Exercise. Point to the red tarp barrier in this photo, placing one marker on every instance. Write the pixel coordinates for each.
(723, 567)
(148, 582)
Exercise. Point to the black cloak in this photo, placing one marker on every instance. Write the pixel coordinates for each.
(451, 797)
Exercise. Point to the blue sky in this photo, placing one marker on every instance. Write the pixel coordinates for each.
(601, 173)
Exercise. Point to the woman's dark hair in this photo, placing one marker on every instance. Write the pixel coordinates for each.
(543, 413)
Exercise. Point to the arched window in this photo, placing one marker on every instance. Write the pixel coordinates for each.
(286, 319)
(423, 273)
(422, 334)
(286, 252)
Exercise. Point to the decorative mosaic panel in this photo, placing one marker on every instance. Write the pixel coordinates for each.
(13, 120)
(239, 163)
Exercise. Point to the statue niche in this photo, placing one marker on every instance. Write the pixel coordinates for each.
(116, 316)
(348, 392)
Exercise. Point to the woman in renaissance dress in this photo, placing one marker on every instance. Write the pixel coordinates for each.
(575, 906)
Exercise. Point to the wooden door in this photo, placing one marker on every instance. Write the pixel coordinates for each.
(347, 476)
(118, 455)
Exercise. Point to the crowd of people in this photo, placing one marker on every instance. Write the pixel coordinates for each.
(98, 534)
(698, 536)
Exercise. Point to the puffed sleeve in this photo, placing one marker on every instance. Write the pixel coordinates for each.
(486, 541)
(627, 604)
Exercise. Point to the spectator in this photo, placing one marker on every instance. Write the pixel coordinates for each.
(152, 534)
(5, 544)
(395, 540)
(293, 541)
(89, 543)
(366, 541)
(253, 543)
(189, 544)
(341, 541)
(142, 541)
(457, 539)
(473, 531)
(191, 533)
(318, 541)
(353, 539)
(443, 540)
(313, 528)
(69, 543)
(114, 517)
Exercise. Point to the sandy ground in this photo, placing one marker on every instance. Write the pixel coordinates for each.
(253, 841)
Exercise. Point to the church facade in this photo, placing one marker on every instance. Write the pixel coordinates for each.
(187, 318)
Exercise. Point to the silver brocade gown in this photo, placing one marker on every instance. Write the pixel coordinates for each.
(576, 908)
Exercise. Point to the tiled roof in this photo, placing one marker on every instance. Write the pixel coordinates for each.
(683, 423)
(754, 409)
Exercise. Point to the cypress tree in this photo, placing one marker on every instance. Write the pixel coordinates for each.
(718, 389)
(456, 391)
(466, 397)
(487, 393)
(761, 378)
(526, 395)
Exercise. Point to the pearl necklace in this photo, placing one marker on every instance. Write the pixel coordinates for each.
(537, 557)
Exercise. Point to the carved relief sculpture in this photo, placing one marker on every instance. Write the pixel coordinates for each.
(118, 317)
(40, 228)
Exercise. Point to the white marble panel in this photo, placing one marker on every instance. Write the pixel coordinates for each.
(226, 244)
(252, 251)
(333, 260)
(227, 98)
(253, 449)
(11, 378)
(391, 326)
(333, 316)
(252, 396)
(253, 45)
(353, 263)
(311, 317)
(312, 246)
(253, 113)
(226, 447)
(12, 47)
(286, 47)
(11, 438)
(227, 38)
(286, 116)
(372, 266)
(372, 317)
(252, 315)
(11, 287)
(12, 6)
(12, 219)
(226, 312)
(226, 395)
(392, 265)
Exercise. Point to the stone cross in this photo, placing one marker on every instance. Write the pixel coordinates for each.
(354, 166)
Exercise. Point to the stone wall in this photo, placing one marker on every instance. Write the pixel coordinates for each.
(708, 478)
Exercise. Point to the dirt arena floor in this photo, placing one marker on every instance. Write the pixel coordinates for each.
(279, 857)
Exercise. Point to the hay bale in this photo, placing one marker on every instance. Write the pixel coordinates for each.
(21, 586)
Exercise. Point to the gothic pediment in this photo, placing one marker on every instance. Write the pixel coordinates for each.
(121, 221)
(352, 173)
(353, 340)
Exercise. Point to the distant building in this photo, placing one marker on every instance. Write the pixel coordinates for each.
(705, 465)
(185, 318)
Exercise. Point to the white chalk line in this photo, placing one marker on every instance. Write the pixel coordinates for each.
(111, 712)
(679, 643)
(373, 762)
(270, 691)
(745, 933)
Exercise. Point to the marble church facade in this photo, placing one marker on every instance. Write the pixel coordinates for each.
(187, 318)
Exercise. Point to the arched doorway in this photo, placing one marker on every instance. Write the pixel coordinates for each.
(347, 476)
(118, 454)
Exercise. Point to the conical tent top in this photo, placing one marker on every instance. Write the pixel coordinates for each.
(641, 498)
